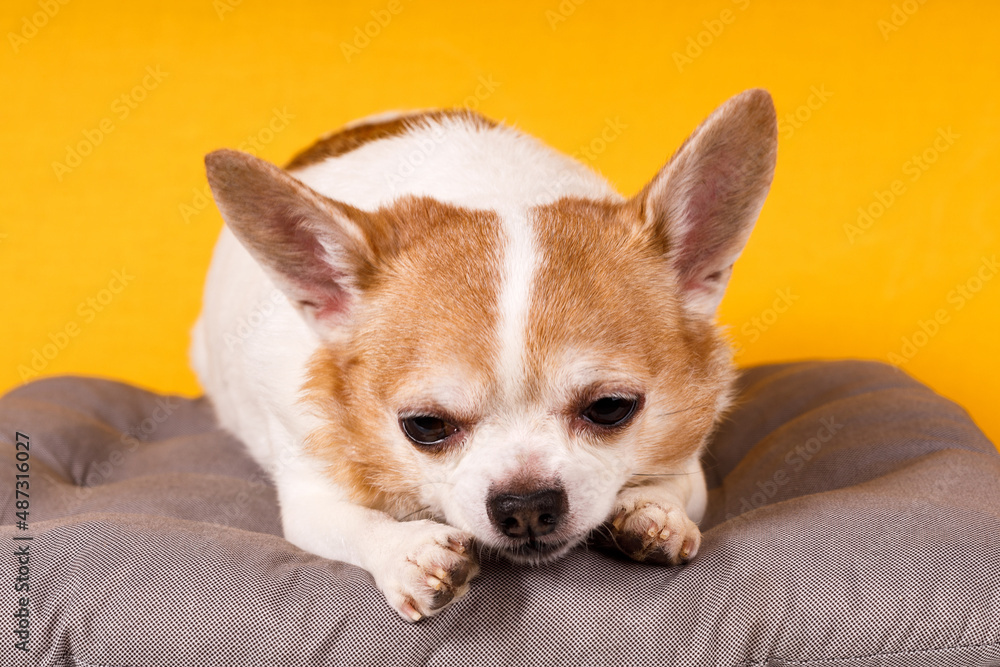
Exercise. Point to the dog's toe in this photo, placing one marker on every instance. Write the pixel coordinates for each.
(655, 533)
(433, 573)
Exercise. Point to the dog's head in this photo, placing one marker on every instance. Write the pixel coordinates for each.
(509, 367)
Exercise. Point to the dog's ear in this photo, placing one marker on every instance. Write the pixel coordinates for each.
(311, 246)
(703, 203)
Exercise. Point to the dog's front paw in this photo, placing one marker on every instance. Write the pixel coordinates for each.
(654, 531)
(431, 567)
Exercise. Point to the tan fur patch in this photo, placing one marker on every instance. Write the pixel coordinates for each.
(429, 302)
(355, 137)
(604, 289)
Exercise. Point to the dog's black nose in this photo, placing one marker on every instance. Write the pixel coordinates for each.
(527, 515)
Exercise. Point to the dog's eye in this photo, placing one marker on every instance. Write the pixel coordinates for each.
(427, 430)
(610, 410)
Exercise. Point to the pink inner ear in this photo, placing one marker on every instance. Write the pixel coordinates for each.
(703, 238)
(713, 222)
(716, 276)
(705, 202)
(297, 255)
(328, 301)
(296, 234)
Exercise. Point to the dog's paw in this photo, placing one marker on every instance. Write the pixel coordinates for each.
(654, 531)
(431, 567)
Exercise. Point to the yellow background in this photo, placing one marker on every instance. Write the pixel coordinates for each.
(861, 88)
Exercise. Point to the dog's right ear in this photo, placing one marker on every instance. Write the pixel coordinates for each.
(311, 246)
(705, 201)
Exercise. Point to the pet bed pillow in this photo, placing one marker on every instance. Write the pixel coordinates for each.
(854, 519)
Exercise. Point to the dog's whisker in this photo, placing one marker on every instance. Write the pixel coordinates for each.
(613, 540)
(710, 454)
(432, 483)
(690, 407)
(603, 529)
(663, 474)
(415, 512)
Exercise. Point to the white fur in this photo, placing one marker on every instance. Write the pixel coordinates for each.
(451, 161)
(520, 260)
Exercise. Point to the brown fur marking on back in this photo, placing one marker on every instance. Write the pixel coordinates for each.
(351, 138)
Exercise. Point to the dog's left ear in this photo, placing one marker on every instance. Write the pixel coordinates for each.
(703, 204)
(312, 247)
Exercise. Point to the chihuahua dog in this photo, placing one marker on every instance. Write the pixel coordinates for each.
(440, 336)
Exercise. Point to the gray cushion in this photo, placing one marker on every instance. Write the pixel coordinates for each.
(854, 519)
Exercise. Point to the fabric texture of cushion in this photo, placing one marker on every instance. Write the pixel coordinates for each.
(854, 519)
